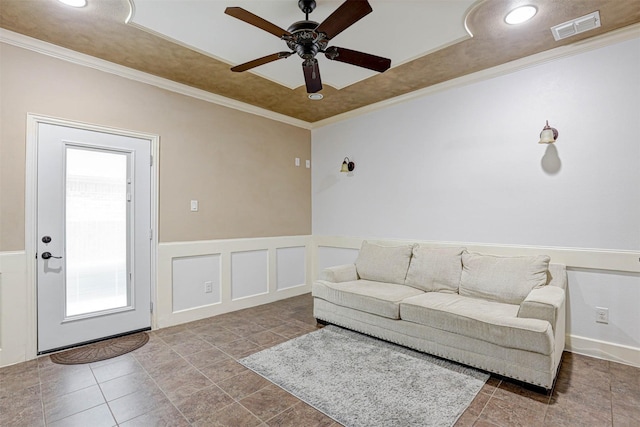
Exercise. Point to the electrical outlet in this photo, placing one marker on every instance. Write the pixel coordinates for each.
(602, 315)
(297, 161)
(308, 163)
(208, 287)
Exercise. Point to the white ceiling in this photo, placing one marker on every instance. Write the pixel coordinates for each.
(399, 30)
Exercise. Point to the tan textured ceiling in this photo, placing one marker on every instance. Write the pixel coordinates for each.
(99, 30)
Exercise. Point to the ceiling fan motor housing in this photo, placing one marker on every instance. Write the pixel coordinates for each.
(304, 40)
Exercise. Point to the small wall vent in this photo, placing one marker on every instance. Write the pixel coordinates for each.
(576, 26)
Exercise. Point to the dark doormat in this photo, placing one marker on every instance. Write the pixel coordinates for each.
(101, 350)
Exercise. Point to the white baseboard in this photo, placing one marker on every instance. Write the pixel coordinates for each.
(603, 350)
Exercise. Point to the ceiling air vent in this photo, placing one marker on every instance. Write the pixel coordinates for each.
(576, 26)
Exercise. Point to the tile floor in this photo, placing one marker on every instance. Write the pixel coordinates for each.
(188, 376)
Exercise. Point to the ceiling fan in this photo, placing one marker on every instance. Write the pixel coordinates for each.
(308, 38)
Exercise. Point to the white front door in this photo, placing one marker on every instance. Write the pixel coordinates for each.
(94, 235)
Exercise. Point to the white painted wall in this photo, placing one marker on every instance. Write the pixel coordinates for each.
(464, 165)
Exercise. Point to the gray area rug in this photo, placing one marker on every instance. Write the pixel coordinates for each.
(361, 381)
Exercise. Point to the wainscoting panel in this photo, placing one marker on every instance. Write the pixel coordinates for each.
(331, 256)
(17, 310)
(291, 265)
(249, 272)
(190, 278)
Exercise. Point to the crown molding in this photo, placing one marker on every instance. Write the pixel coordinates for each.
(49, 49)
(25, 42)
(613, 37)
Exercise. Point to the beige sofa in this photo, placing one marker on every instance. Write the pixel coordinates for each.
(501, 314)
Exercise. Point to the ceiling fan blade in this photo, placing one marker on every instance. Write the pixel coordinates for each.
(260, 61)
(256, 21)
(312, 75)
(361, 59)
(344, 16)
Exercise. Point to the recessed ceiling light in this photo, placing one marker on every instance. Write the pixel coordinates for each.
(315, 96)
(74, 3)
(520, 15)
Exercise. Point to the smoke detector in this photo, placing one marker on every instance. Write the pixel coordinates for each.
(576, 26)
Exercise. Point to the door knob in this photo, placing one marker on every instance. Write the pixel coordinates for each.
(47, 255)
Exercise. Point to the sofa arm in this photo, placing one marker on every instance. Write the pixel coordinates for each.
(545, 303)
(340, 273)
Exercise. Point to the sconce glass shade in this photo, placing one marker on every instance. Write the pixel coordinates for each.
(347, 165)
(548, 135)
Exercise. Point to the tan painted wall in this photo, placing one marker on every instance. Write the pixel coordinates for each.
(240, 167)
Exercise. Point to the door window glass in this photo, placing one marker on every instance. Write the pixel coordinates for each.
(96, 231)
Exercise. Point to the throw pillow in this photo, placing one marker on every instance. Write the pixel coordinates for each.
(502, 279)
(435, 269)
(383, 263)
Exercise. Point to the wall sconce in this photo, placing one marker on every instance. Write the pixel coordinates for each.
(347, 165)
(548, 135)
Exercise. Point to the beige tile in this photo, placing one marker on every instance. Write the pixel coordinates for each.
(203, 403)
(64, 384)
(573, 414)
(243, 384)
(116, 369)
(127, 384)
(165, 415)
(22, 408)
(99, 416)
(298, 415)
(234, 415)
(220, 371)
(512, 409)
(183, 383)
(268, 402)
(61, 407)
(267, 338)
(207, 357)
(220, 337)
(137, 403)
(239, 348)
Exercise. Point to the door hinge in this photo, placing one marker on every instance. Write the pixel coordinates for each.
(151, 234)
(151, 160)
(151, 307)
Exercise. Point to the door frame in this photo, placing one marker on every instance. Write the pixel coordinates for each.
(31, 193)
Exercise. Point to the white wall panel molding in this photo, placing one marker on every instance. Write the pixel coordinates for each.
(593, 259)
(17, 331)
(603, 350)
(248, 255)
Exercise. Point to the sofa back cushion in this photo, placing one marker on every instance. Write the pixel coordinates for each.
(502, 279)
(383, 263)
(435, 269)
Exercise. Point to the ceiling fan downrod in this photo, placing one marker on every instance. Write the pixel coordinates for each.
(307, 6)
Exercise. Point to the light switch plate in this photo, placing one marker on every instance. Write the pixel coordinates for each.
(194, 206)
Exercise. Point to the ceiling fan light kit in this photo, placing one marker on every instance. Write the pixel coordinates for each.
(308, 38)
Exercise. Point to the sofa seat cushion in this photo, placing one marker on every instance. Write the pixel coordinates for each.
(490, 321)
(378, 298)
